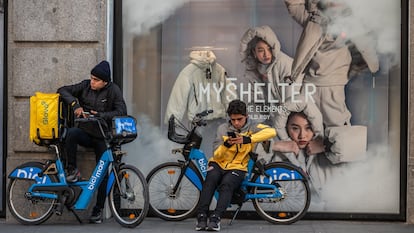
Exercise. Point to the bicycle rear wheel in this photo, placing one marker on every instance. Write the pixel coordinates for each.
(169, 205)
(294, 203)
(28, 210)
(128, 199)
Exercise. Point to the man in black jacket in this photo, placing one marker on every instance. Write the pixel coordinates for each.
(99, 97)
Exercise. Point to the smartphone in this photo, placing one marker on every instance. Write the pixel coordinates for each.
(231, 134)
(86, 114)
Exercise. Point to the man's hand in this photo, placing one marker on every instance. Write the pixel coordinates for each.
(236, 140)
(79, 112)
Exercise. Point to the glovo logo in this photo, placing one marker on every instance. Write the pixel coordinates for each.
(45, 113)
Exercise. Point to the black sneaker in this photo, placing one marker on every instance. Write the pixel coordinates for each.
(96, 216)
(201, 222)
(214, 224)
(72, 175)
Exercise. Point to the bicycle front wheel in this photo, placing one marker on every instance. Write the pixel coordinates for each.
(165, 202)
(295, 199)
(28, 210)
(128, 199)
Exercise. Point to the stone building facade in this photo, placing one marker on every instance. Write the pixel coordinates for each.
(51, 43)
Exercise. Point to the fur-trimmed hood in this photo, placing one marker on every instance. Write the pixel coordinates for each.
(266, 34)
(299, 104)
(202, 58)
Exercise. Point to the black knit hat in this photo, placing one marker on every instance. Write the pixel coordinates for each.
(102, 71)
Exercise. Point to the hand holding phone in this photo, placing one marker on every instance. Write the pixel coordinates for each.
(86, 114)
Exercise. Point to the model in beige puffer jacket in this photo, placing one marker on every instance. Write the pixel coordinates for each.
(267, 77)
(324, 58)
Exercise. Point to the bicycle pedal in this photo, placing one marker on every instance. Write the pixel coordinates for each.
(59, 209)
(58, 213)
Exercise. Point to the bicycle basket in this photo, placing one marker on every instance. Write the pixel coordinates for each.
(124, 129)
(173, 135)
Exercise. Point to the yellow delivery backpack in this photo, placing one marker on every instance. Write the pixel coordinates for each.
(44, 118)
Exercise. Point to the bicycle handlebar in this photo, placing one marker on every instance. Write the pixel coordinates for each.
(204, 113)
(93, 118)
(199, 118)
(89, 118)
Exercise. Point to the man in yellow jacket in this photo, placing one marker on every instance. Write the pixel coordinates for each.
(228, 165)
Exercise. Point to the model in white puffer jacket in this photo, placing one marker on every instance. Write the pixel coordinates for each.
(201, 85)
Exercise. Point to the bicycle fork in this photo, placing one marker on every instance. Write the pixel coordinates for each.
(113, 177)
(184, 166)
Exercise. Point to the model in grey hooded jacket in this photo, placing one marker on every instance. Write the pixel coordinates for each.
(275, 73)
(201, 85)
(324, 59)
(319, 167)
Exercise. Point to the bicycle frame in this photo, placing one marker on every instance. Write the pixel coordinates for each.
(267, 181)
(44, 183)
(198, 158)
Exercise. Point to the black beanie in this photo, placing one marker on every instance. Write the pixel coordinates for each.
(102, 71)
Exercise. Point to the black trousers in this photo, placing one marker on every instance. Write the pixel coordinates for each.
(226, 182)
(75, 137)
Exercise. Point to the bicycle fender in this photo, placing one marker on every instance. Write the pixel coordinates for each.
(30, 171)
(286, 172)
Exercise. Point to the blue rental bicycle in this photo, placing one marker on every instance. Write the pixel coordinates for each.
(279, 191)
(37, 190)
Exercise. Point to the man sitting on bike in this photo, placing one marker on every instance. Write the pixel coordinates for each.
(234, 141)
(101, 98)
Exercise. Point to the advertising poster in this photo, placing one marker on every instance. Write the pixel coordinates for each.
(337, 62)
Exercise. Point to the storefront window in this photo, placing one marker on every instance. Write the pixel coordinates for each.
(351, 49)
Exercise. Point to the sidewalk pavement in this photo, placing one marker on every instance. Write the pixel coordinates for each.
(152, 224)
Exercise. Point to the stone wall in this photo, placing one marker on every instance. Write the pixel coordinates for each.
(50, 43)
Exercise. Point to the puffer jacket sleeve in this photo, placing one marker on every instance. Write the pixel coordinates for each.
(118, 106)
(69, 93)
(297, 9)
(229, 91)
(284, 65)
(348, 143)
(366, 46)
(262, 133)
(177, 103)
(218, 144)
